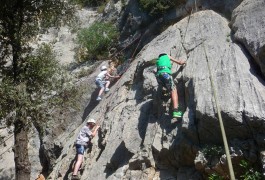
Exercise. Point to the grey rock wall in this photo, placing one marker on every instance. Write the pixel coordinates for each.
(33, 152)
(248, 24)
(64, 39)
(7, 165)
(138, 139)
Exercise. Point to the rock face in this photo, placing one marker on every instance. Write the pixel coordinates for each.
(138, 139)
(64, 38)
(7, 166)
(248, 24)
(33, 150)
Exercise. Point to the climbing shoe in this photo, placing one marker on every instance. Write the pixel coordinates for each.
(106, 89)
(75, 177)
(98, 98)
(177, 114)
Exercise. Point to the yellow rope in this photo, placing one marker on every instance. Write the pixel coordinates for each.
(230, 166)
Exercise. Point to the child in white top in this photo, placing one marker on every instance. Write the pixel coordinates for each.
(102, 81)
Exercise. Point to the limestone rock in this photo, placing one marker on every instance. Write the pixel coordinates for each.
(248, 24)
(7, 164)
(138, 139)
(135, 117)
(64, 38)
(33, 151)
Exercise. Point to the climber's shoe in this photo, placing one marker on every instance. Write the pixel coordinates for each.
(75, 177)
(177, 114)
(99, 98)
(174, 120)
(106, 89)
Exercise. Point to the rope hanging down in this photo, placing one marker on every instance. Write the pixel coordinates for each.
(230, 166)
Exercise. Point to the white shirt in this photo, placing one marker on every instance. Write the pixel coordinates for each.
(83, 136)
(102, 75)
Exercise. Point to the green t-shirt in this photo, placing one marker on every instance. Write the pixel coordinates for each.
(163, 64)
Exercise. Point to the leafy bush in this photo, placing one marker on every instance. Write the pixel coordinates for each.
(97, 40)
(250, 173)
(211, 151)
(41, 71)
(158, 7)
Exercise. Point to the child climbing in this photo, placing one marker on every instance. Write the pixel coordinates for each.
(103, 81)
(85, 135)
(165, 79)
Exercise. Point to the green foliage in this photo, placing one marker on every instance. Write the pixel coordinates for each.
(69, 96)
(96, 40)
(43, 85)
(102, 6)
(211, 151)
(21, 21)
(8, 95)
(88, 3)
(158, 7)
(17, 98)
(250, 173)
(153, 61)
(215, 176)
(41, 70)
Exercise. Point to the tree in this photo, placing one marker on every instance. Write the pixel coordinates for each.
(20, 22)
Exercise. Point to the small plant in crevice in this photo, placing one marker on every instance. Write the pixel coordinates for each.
(215, 176)
(228, 38)
(212, 151)
(102, 6)
(159, 7)
(249, 172)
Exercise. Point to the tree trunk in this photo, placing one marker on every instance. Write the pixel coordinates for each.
(22, 164)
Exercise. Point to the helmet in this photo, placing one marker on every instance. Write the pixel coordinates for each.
(91, 121)
(103, 68)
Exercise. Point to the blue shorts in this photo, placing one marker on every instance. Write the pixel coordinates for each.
(80, 149)
(100, 83)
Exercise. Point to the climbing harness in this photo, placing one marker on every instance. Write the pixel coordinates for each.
(161, 67)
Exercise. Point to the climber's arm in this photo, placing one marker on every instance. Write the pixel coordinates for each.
(180, 62)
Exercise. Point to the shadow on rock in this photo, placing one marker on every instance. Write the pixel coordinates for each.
(120, 157)
(91, 105)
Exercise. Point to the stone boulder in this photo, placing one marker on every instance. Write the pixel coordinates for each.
(248, 24)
